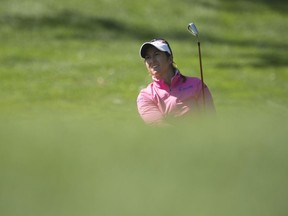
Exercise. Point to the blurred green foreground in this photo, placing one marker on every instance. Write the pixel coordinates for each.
(215, 167)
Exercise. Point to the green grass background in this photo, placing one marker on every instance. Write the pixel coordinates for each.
(71, 140)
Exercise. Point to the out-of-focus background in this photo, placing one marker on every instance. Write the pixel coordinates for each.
(71, 140)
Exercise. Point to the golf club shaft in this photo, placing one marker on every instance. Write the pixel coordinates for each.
(201, 71)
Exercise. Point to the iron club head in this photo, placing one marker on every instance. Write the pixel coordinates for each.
(192, 29)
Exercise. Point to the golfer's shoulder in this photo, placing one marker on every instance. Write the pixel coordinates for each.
(193, 80)
(145, 91)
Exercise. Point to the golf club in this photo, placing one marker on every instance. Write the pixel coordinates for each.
(193, 30)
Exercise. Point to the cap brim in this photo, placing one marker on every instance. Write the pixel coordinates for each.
(159, 44)
(144, 48)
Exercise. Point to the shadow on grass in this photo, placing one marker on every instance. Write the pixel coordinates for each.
(271, 54)
(264, 60)
(71, 24)
(78, 25)
(280, 6)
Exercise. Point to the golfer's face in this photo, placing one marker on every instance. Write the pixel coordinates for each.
(157, 62)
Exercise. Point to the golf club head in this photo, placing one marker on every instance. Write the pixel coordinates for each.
(192, 29)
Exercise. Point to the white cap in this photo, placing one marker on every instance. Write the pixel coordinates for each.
(159, 44)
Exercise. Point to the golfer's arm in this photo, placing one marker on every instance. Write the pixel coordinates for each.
(149, 111)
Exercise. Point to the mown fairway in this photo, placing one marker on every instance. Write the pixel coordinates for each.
(71, 141)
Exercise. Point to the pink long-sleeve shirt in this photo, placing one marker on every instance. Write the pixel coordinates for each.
(158, 101)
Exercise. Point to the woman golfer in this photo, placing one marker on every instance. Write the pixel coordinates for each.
(170, 94)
